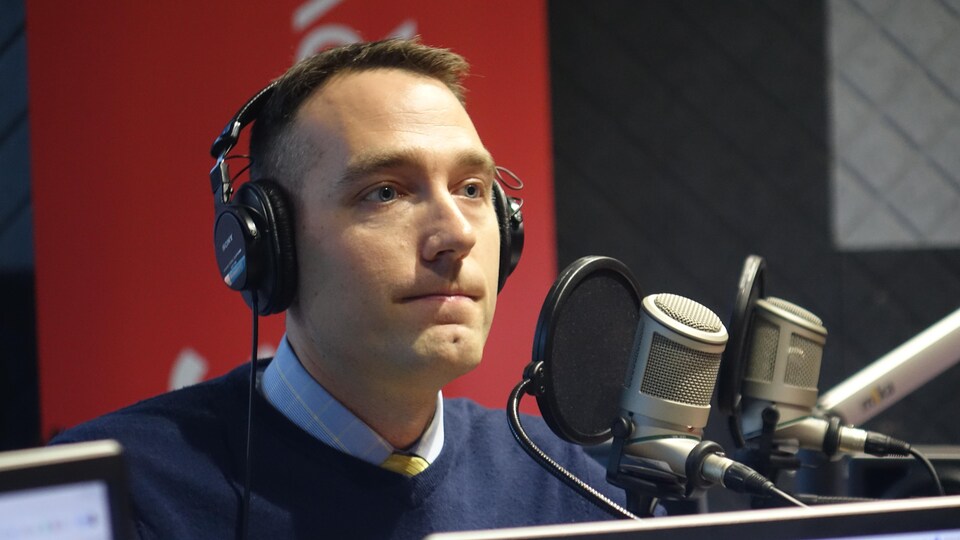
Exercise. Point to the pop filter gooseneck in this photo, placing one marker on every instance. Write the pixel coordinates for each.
(581, 354)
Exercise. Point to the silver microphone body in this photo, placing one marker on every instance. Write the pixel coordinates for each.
(783, 366)
(675, 361)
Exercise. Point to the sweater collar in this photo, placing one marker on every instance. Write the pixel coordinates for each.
(291, 390)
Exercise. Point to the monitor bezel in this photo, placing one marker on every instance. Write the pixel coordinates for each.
(834, 521)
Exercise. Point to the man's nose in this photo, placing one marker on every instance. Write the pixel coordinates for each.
(450, 233)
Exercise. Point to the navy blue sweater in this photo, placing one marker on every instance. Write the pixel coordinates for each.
(185, 450)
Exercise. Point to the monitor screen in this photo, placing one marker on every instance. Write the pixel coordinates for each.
(66, 492)
(78, 511)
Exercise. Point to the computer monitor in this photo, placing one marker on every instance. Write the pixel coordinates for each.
(907, 519)
(65, 492)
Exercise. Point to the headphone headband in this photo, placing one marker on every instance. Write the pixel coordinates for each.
(220, 181)
(231, 133)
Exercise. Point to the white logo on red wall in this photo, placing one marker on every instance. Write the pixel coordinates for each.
(333, 34)
(190, 367)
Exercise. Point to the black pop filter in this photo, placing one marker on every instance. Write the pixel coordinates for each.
(733, 362)
(582, 348)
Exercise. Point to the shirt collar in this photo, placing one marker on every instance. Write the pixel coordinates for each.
(298, 396)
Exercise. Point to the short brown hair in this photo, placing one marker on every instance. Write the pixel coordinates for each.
(276, 154)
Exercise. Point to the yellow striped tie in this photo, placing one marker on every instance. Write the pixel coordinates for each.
(405, 464)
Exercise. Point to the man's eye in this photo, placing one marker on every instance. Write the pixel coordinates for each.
(383, 194)
(472, 191)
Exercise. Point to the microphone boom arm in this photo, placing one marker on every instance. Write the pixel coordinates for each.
(886, 381)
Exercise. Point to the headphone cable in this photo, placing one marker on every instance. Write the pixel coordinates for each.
(245, 509)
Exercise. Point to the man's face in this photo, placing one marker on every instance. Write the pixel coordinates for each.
(396, 236)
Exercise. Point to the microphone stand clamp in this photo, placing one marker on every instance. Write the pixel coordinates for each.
(644, 485)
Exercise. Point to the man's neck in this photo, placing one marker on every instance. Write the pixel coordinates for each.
(399, 411)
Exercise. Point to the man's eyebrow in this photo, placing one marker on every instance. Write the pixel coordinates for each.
(477, 160)
(367, 164)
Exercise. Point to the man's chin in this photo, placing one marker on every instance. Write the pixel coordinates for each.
(450, 348)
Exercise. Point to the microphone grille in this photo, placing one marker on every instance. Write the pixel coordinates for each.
(786, 353)
(679, 373)
(688, 312)
(763, 353)
(803, 362)
(790, 307)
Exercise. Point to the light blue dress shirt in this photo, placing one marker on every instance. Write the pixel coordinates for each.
(293, 392)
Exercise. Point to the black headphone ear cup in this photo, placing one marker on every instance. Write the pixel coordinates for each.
(510, 222)
(278, 281)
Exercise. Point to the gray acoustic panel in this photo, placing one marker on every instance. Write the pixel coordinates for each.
(895, 108)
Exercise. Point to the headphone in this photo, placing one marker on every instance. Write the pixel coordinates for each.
(253, 229)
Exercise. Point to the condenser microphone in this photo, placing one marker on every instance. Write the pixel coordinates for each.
(666, 402)
(676, 358)
(784, 356)
(783, 363)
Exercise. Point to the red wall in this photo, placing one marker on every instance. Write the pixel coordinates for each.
(125, 99)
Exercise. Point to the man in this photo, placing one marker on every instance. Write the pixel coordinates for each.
(397, 250)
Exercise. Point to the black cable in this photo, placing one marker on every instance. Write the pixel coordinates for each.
(245, 509)
(787, 497)
(929, 466)
(594, 496)
(808, 499)
(742, 479)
